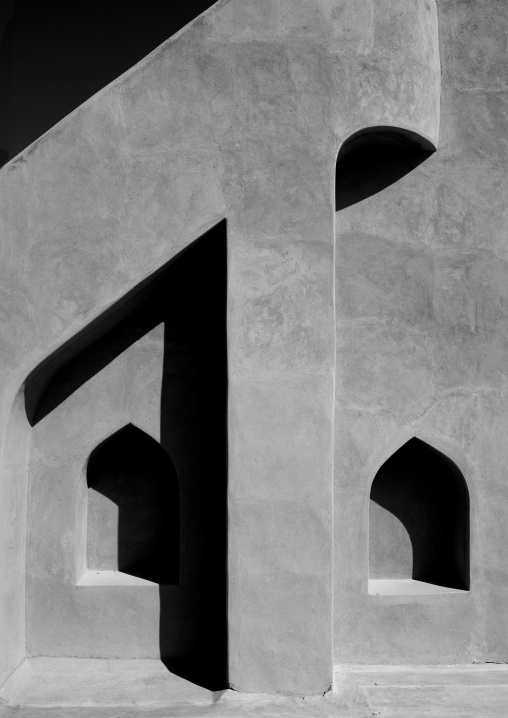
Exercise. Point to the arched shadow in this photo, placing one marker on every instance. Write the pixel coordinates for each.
(132, 470)
(187, 295)
(373, 159)
(424, 496)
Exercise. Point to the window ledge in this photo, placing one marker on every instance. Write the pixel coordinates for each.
(112, 578)
(407, 587)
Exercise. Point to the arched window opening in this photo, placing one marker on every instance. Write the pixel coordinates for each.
(133, 508)
(373, 159)
(418, 523)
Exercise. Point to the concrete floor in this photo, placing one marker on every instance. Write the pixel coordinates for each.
(113, 689)
(433, 691)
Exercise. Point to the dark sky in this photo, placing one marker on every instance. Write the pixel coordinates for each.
(55, 55)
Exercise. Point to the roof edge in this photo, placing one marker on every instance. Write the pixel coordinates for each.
(20, 157)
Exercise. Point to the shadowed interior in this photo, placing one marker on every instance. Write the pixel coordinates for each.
(134, 508)
(419, 518)
(373, 159)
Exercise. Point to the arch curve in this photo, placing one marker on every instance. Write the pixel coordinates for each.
(374, 158)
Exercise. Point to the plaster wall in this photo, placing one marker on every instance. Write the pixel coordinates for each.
(58, 610)
(422, 314)
(240, 115)
(161, 369)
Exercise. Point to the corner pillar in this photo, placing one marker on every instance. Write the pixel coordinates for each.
(281, 340)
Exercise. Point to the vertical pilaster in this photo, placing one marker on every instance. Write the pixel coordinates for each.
(281, 393)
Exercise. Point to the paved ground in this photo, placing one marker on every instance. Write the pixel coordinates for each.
(58, 688)
(433, 692)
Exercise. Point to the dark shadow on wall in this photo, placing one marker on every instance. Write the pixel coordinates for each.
(188, 296)
(422, 490)
(375, 158)
(132, 470)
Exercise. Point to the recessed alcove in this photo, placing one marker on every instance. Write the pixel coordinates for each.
(418, 524)
(129, 532)
(133, 508)
(373, 159)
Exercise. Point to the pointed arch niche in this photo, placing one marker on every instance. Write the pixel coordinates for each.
(133, 517)
(418, 524)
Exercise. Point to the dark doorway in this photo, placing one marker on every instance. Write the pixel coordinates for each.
(373, 159)
(187, 296)
(419, 518)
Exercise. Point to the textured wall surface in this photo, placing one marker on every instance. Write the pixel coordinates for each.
(158, 375)
(422, 316)
(399, 330)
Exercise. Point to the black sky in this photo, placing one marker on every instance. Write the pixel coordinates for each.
(55, 55)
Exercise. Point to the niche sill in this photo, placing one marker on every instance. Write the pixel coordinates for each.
(407, 587)
(112, 578)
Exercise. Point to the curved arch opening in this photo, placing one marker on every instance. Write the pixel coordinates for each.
(419, 519)
(375, 158)
(133, 508)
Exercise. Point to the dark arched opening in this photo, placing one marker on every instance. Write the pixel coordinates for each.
(373, 159)
(419, 519)
(133, 508)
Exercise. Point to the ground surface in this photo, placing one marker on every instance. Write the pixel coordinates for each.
(112, 689)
